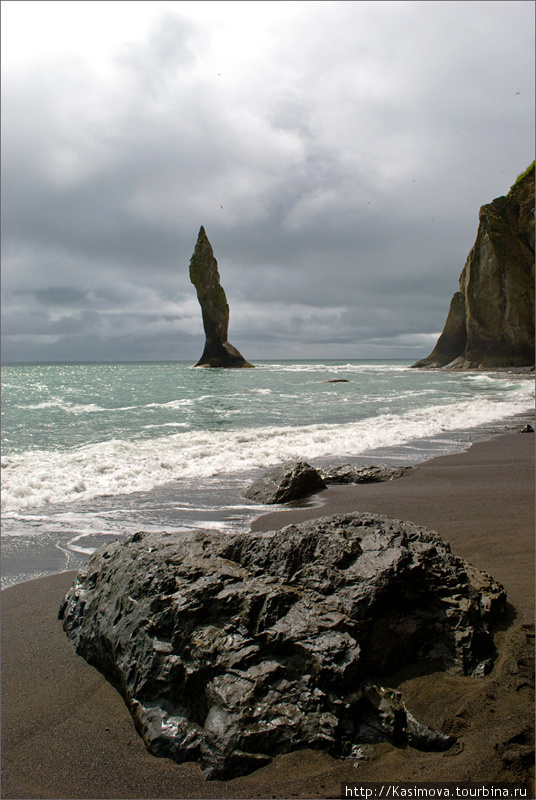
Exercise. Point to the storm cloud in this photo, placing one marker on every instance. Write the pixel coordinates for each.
(336, 153)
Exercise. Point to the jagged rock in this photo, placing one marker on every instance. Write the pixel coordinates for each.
(232, 649)
(205, 277)
(285, 483)
(528, 429)
(383, 713)
(349, 473)
(490, 324)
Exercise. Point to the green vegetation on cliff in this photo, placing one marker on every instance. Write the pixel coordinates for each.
(519, 178)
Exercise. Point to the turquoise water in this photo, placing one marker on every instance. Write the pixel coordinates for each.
(99, 450)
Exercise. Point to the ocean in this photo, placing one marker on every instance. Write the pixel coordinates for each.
(98, 451)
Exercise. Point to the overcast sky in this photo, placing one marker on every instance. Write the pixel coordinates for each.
(337, 154)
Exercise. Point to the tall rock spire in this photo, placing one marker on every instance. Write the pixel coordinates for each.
(205, 277)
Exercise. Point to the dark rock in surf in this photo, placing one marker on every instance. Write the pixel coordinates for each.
(349, 473)
(337, 380)
(233, 649)
(205, 277)
(286, 483)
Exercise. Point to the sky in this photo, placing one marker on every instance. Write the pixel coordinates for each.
(336, 153)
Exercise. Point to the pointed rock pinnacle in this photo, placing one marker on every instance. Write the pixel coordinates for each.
(205, 277)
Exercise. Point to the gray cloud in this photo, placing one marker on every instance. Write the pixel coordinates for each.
(350, 157)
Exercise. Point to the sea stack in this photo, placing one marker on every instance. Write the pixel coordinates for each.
(205, 277)
(490, 324)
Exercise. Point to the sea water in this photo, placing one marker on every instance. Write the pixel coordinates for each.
(98, 451)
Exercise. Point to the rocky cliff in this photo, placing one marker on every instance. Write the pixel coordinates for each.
(205, 277)
(490, 324)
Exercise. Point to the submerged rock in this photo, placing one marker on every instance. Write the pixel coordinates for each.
(490, 323)
(285, 483)
(204, 275)
(233, 649)
(350, 473)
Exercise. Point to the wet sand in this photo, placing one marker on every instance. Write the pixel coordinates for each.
(66, 732)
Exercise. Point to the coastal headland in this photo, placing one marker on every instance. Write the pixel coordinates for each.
(490, 323)
(66, 732)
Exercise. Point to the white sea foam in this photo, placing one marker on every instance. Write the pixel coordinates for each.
(166, 425)
(335, 368)
(69, 408)
(77, 548)
(73, 408)
(175, 403)
(36, 478)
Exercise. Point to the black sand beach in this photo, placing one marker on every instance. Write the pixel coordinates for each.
(66, 732)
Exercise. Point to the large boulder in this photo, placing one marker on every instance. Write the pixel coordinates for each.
(233, 649)
(204, 275)
(285, 483)
(490, 323)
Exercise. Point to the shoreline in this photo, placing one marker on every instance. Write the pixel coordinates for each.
(435, 494)
(41, 555)
(66, 732)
